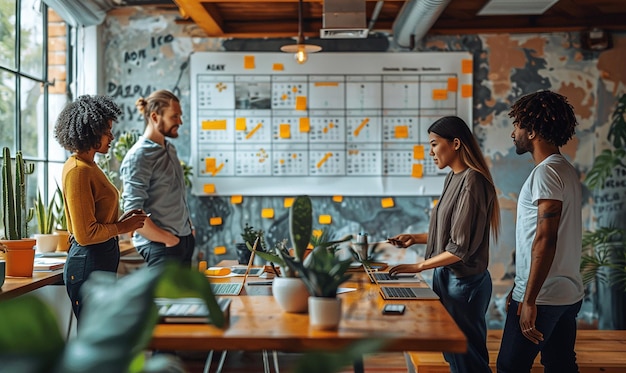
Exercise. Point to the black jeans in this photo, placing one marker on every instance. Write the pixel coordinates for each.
(156, 253)
(82, 261)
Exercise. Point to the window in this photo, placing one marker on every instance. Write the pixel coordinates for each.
(32, 90)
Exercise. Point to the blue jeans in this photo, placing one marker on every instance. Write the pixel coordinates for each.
(156, 253)
(82, 261)
(466, 299)
(558, 325)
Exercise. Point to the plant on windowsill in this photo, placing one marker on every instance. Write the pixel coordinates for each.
(61, 224)
(18, 247)
(249, 235)
(46, 239)
(603, 260)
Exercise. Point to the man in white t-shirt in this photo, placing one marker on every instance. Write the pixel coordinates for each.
(548, 289)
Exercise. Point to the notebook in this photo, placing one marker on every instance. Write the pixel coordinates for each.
(407, 293)
(386, 278)
(241, 271)
(234, 288)
(188, 310)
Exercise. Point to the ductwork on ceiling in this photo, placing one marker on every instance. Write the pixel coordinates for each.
(414, 20)
(344, 19)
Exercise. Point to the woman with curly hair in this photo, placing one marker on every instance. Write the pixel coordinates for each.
(91, 201)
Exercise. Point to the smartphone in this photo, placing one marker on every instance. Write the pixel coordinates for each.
(393, 309)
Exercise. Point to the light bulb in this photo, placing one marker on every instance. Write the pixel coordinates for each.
(301, 55)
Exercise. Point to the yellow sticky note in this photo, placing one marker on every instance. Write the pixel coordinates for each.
(453, 84)
(235, 200)
(338, 199)
(278, 67)
(214, 125)
(216, 220)
(288, 202)
(305, 125)
(418, 170)
(267, 213)
(466, 91)
(248, 62)
(325, 219)
(240, 124)
(202, 266)
(210, 164)
(418, 152)
(401, 132)
(387, 203)
(467, 66)
(300, 103)
(209, 188)
(440, 94)
(284, 131)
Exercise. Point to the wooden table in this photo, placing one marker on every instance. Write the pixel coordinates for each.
(16, 286)
(257, 323)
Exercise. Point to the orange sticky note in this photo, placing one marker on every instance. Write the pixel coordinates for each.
(284, 131)
(214, 125)
(267, 213)
(440, 94)
(216, 220)
(288, 202)
(220, 250)
(240, 124)
(387, 203)
(466, 91)
(278, 67)
(248, 62)
(210, 164)
(202, 266)
(337, 199)
(209, 188)
(401, 132)
(325, 219)
(300, 103)
(235, 200)
(305, 124)
(418, 152)
(453, 84)
(467, 66)
(418, 170)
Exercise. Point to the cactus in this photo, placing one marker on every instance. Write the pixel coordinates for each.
(300, 225)
(15, 214)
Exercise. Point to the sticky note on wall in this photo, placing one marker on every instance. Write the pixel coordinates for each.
(209, 188)
(418, 152)
(248, 62)
(216, 220)
(387, 203)
(240, 124)
(338, 199)
(267, 213)
(300, 103)
(325, 219)
(418, 170)
(288, 202)
(235, 200)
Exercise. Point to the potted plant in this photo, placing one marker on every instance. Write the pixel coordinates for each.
(249, 235)
(46, 239)
(604, 250)
(18, 248)
(63, 244)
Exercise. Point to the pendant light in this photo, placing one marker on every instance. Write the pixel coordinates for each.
(300, 49)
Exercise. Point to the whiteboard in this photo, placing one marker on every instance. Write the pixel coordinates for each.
(352, 124)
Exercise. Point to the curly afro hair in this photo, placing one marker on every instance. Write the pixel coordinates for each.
(82, 123)
(546, 113)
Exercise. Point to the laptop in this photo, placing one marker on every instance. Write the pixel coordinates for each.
(234, 288)
(386, 278)
(188, 310)
(241, 271)
(407, 293)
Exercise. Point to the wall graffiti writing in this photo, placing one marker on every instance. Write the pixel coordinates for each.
(157, 41)
(134, 56)
(129, 90)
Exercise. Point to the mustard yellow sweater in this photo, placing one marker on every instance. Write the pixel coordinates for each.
(91, 202)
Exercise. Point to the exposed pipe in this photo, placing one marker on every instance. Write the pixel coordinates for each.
(375, 14)
(415, 18)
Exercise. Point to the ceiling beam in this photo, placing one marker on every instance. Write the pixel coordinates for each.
(211, 22)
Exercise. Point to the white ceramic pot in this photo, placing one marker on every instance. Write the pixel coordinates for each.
(46, 243)
(324, 313)
(290, 294)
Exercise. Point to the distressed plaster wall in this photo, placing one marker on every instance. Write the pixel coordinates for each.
(146, 50)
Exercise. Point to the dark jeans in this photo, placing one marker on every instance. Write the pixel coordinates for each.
(558, 325)
(82, 261)
(466, 299)
(156, 253)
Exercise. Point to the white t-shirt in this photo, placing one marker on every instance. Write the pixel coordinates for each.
(556, 179)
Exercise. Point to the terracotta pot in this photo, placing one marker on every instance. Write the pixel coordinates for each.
(64, 240)
(20, 257)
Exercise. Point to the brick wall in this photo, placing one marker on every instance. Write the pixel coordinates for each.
(57, 52)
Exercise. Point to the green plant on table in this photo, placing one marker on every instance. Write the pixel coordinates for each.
(16, 215)
(60, 209)
(249, 236)
(45, 214)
